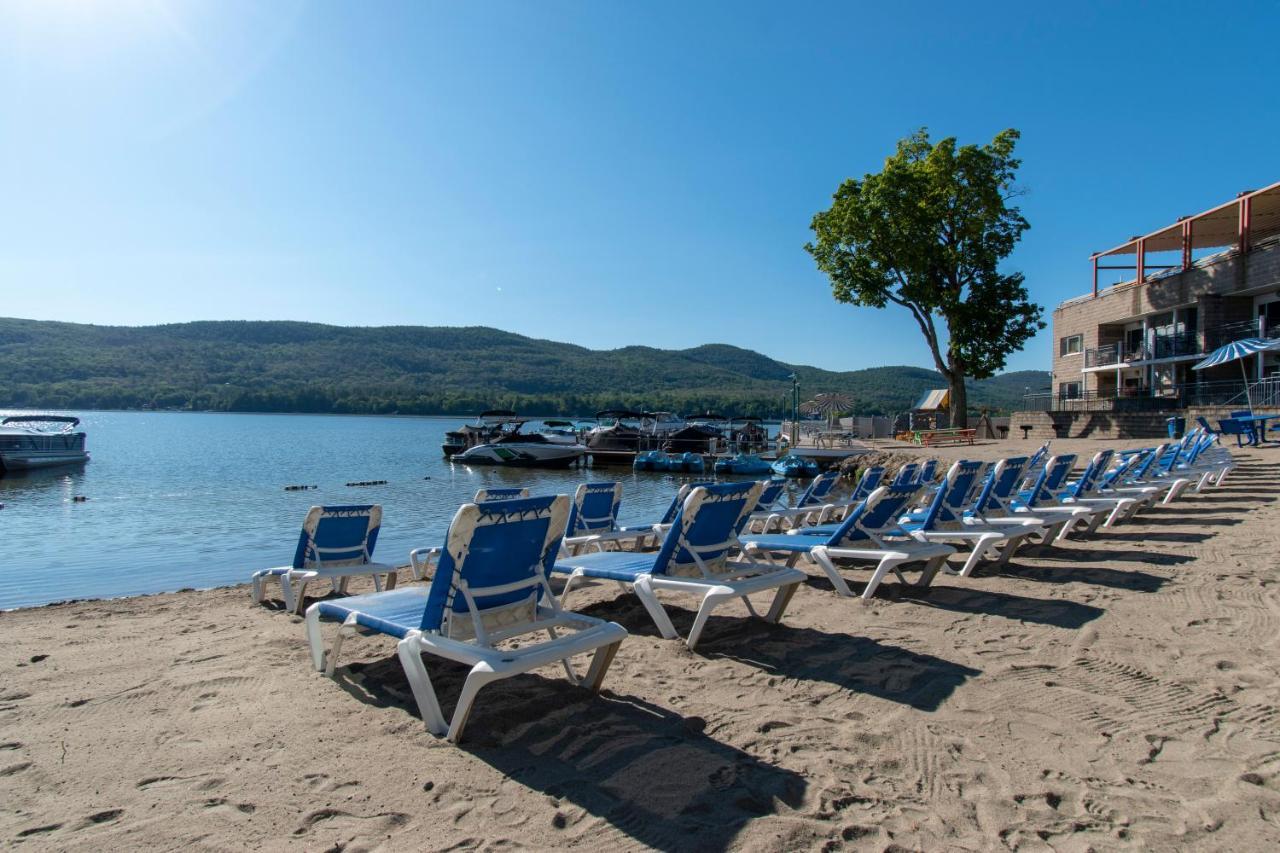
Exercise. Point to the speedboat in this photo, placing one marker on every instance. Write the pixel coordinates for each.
(40, 441)
(487, 427)
(525, 450)
(559, 432)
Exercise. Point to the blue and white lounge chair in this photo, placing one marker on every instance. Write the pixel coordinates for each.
(869, 532)
(336, 544)
(694, 558)
(1041, 500)
(869, 481)
(996, 502)
(813, 506)
(593, 520)
(491, 586)
(422, 559)
(950, 518)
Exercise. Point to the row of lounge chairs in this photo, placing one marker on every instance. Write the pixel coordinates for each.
(490, 582)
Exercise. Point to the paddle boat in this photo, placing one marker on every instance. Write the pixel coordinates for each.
(651, 460)
(744, 463)
(792, 465)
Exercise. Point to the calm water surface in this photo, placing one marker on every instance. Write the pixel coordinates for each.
(181, 500)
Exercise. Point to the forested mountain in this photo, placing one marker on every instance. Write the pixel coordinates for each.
(308, 367)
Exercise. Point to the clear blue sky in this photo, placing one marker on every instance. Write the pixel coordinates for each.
(604, 173)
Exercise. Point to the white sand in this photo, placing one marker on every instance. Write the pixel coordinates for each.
(1120, 692)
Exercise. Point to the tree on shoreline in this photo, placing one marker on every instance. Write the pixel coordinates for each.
(929, 233)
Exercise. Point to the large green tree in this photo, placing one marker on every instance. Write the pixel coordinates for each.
(929, 233)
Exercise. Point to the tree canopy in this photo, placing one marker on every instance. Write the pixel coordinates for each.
(929, 233)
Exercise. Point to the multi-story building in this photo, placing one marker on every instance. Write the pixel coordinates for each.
(1188, 288)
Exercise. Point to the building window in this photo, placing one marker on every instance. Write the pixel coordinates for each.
(1069, 390)
(1071, 345)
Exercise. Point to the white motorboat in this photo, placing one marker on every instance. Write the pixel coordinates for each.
(514, 448)
(40, 441)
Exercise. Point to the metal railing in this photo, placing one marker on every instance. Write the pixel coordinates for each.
(1263, 393)
(1159, 346)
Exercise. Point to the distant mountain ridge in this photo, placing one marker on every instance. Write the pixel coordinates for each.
(286, 366)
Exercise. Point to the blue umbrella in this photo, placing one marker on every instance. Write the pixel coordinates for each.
(1238, 351)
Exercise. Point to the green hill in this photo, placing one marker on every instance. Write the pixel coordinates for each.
(308, 367)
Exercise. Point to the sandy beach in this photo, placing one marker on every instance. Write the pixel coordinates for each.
(1120, 692)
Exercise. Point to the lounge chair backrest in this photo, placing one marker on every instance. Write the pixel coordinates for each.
(906, 474)
(595, 509)
(1055, 473)
(1109, 479)
(1001, 483)
(706, 529)
(483, 495)
(955, 495)
(337, 536)
(494, 566)
(927, 472)
(869, 482)
(874, 518)
(770, 491)
(1039, 456)
(678, 501)
(1149, 458)
(1088, 481)
(818, 490)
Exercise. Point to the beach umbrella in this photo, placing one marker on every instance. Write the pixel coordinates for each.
(1238, 351)
(827, 405)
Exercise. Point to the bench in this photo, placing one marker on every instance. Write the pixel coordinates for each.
(933, 437)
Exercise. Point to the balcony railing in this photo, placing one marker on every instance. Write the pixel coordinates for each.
(1263, 393)
(1160, 346)
(1229, 332)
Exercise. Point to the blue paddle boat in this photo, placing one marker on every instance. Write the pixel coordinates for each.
(795, 466)
(651, 460)
(688, 463)
(743, 463)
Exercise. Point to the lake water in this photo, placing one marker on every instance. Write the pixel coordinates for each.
(181, 500)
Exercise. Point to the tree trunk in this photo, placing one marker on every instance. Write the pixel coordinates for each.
(959, 400)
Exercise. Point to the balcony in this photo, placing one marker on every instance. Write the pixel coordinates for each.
(1229, 332)
(1158, 347)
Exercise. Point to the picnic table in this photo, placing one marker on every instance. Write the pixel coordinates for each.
(831, 439)
(1257, 425)
(932, 437)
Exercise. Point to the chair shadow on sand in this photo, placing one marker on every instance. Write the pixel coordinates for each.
(650, 773)
(1058, 613)
(855, 663)
(1133, 581)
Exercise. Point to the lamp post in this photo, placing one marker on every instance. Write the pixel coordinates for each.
(795, 410)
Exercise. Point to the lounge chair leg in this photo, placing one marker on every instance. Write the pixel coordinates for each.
(820, 556)
(299, 598)
(480, 675)
(291, 603)
(569, 583)
(314, 638)
(644, 591)
(600, 663)
(424, 694)
(887, 564)
(377, 583)
(931, 569)
(979, 551)
(345, 630)
(780, 602)
(710, 601)
(256, 593)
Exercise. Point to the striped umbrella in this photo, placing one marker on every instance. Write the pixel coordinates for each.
(828, 405)
(1238, 351)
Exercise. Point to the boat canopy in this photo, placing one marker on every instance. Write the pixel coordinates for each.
(558, 423)
(619, 414)
(70, 422)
